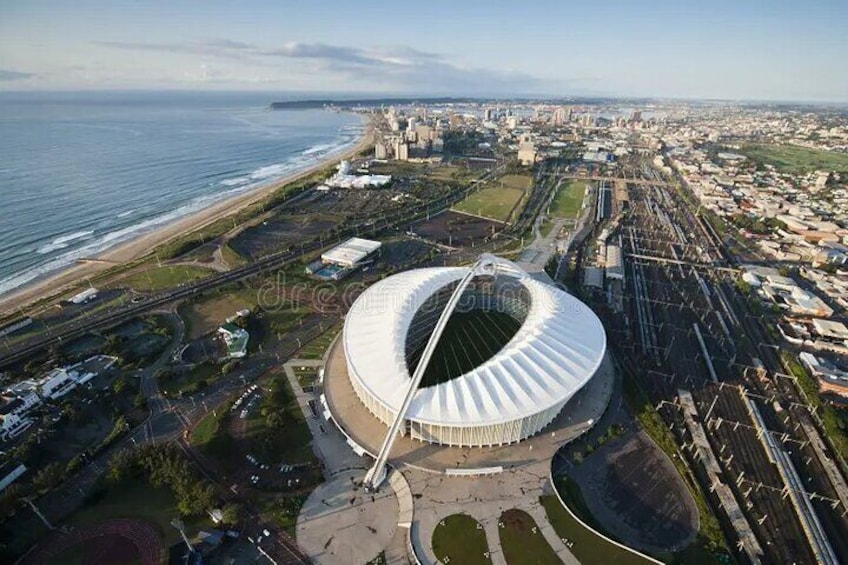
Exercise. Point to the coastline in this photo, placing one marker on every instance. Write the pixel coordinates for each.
(66, 279)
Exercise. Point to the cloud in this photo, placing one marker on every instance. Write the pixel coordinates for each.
(7, 75)
(382, 68)
(404, 67)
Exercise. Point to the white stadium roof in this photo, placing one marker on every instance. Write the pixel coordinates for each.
(558, 348)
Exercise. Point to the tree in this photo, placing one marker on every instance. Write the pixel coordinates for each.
(197, 499)
(119, 385)
(49, 476)
(231, 513)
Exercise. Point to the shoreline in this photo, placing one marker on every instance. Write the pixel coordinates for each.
(64, 279)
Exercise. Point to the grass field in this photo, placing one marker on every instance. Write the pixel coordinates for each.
(797, 160)
(522, 542)
(457, 539)
(207, 428)
(568, 199)
(588, 548)
(499, 199)
(231, 256)
(161, 278)
(208, 313)
(189, 381)
(469, 339)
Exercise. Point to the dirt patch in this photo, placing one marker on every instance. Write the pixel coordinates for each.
(456, 230)
(278, 233)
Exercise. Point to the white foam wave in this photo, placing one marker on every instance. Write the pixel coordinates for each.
(125, 214)
(63, 241)
(318, 148)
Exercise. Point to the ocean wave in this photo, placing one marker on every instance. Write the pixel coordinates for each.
(244, 182)
(318, 148)
(63, 242)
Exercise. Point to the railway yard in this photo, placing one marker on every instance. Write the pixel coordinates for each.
(682, 330)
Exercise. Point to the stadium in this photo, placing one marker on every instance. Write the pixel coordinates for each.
(511, 354)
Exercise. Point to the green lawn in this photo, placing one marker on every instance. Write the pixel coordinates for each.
(460, 539)
(797, 160)
(209, 427)
(231, 256)
(522, 542)
(568, 199)
(316, 348)
(162, 278)
(498, 199)
(588, 548)
(188, 382)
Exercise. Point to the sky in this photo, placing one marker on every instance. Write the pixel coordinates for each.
(709, 49)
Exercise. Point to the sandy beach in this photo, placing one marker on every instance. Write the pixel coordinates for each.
(69, 278)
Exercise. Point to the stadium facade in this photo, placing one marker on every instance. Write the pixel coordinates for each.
(514, 351)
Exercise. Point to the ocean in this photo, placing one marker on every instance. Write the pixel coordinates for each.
(82, 172)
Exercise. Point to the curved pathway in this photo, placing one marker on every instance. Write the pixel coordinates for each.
(484, 499)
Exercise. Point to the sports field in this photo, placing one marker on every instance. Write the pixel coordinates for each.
(469, 339)
(498, 199)
(568, 199)
(797, 160)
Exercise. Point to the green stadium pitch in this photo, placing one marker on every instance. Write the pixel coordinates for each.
(469, 340)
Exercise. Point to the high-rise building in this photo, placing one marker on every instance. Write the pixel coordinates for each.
(380, 151)
(401, 150)
(560, 116)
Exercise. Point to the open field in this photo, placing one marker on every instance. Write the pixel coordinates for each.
(522, 542)
(588, 548)
(797, 160)
(162, 278)
(498, 199)
(568, 199)
(457, 539)
(280, 232)
(208, 313)
(456, 229)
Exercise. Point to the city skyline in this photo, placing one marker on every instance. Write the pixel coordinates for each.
(723, 50)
